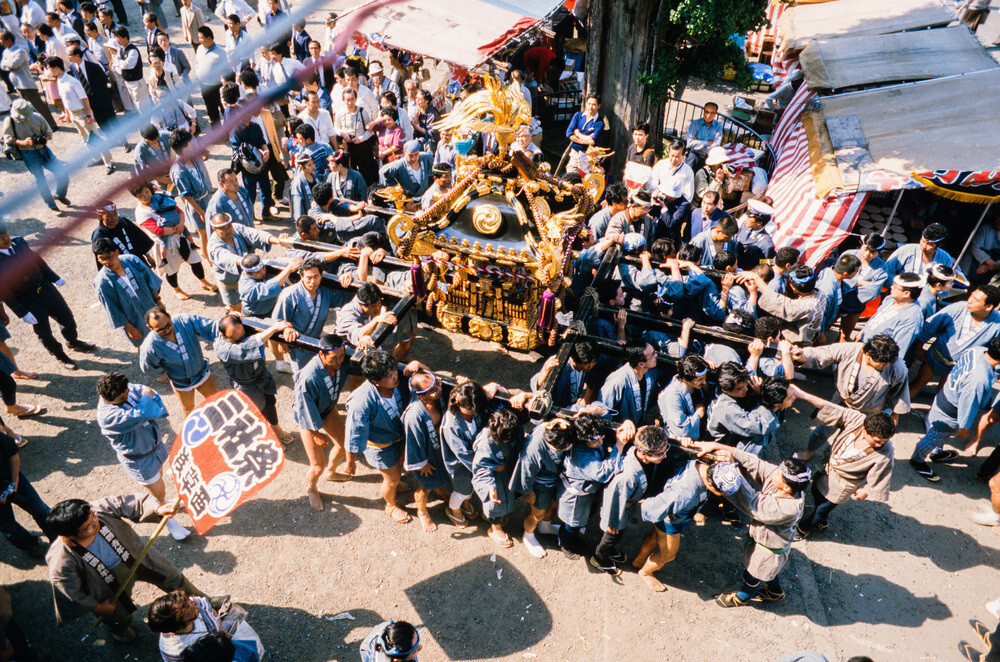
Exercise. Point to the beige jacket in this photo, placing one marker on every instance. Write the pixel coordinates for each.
(77, 587)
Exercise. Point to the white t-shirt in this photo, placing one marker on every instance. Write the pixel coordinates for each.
(676, 182)
(71, 92)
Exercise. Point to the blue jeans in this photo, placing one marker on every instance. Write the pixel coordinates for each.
(37, 161)
(27, 499)
(932, 441)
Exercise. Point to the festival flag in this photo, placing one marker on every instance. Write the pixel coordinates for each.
(225, 453)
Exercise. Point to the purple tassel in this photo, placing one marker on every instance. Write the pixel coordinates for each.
(417, 281)
(547, 311)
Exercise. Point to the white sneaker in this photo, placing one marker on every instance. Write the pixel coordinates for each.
(177, 531)
(284, 366)
(533, 546)
(986, 518)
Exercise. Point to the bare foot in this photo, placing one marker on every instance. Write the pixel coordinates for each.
(653, 583)
(181, 294)
(397, 514)
(315, 500)
(639, 561)
(427, 522)
(163, 379)
(24, 374)
(336, 477)
(403, 488)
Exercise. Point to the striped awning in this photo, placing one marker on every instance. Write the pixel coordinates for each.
(461, 32)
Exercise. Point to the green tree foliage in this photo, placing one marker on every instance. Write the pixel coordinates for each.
(695, 39)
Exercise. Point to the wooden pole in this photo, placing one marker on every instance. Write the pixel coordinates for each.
(138, 559)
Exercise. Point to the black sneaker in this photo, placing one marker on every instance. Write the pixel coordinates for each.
(66, 362)
(943, 456)
(618, 556)
(65, 201)
(610, 569)
(924, 470)
(82, 346)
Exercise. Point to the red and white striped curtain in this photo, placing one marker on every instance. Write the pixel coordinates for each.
(813, 225)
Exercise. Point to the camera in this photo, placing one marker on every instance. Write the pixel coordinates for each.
(38, 141)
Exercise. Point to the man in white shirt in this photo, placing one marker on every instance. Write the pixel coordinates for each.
(671, 183)
(319, 119)
(238, 7)
(205, 58)
(127, 64)
(77, 105)
(31, 13)
(366, 98)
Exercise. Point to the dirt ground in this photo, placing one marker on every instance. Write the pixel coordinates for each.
(896, 581)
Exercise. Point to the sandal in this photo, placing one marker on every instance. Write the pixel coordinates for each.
(208, 287)
(460, 523)
(24, 374)
(391, 512)
(730, 600)
(470, 512)
(504, 542)
(29, 410)
(181, 294)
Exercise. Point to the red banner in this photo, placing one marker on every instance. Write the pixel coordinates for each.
(225, 453)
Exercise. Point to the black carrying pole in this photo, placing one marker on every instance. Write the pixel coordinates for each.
(588, 303)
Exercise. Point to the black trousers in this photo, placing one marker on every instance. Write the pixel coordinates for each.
(608, 546)
(8, 389)
(48, 304)
(364, 159)
(212, 96)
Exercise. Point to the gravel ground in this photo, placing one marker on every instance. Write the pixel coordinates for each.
(881, 572)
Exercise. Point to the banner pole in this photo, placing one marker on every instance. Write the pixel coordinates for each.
(138, 559)
(892, 214)
(973, 234)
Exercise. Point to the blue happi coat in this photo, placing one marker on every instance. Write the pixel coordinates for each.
(909, 258)
(622, 394)
(491, 471)
(241, 209)
(901, 323)
(965, 393)
(678, 411)
(182, 362)
(953, 332)
(126, 300)
(423, 446)
(316, 393)
(585, 471)
(307, 315)
(368, 422)
(457, 436)
(537, 464)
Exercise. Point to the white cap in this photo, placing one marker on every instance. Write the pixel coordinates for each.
(758, 207)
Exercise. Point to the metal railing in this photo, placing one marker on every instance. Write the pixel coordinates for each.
(678, 115)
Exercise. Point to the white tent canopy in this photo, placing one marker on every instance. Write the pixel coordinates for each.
(462, 32)
(853, 18)
(848, 61)
(942, 124)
